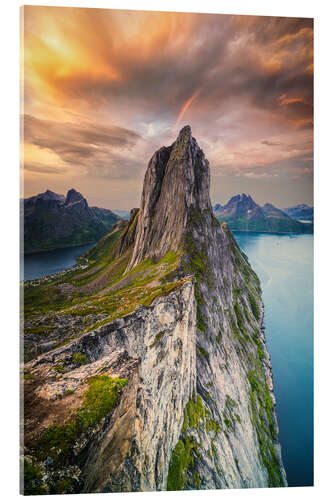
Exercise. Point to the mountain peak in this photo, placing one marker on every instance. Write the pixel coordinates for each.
(186, 130)
(50, 195)
(73, 196)
(242, 205)
(177, 178)
(247, 197)
(48, 192)
(301, 211)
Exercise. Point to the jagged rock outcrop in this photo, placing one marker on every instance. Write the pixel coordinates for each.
(74, 196)
(53, 221)
(181, 342)
(177, 179)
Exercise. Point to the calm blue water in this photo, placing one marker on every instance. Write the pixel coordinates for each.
(43, 263)
(284, 265)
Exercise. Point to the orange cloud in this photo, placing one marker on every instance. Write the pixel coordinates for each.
(284, 100)
(77, 54)
(92, 74)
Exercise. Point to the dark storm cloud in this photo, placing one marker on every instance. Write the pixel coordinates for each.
(225, 57)
(96, 148)
(58, 136)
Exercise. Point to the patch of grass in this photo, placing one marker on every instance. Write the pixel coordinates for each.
(202, 352)
(28, 376)
(262, 408)
(157, 339)
(240, 321)
(180, 461)
(194, 413)
(170, 258)
(69, 392)
(59, 368)
(64, 486)
(38, 330)
(33, 479)
(201, 322)
(212, 425)
(230, 403)
(257, 341)
(182, 456)
(197, 480)
(98, 401)
(254, 307)
(227, 422)
(253, 381)
(80, 359)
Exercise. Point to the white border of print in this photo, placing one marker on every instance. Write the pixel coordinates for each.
(9, 211)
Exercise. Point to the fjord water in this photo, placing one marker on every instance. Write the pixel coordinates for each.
(284, 265)
(41, 264)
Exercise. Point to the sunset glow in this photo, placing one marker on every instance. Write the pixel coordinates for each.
(103, 89)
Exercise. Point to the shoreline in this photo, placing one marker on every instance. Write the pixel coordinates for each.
(267, 365)
(268, 232)
(45, 250)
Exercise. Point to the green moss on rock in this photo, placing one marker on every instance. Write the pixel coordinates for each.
(98, 401)
(182, 456)
(80, 359)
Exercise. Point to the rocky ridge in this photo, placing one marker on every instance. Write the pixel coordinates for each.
(300, 212)
(181, 350)
(242, 213)
(52, 221)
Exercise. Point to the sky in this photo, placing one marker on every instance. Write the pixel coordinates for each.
(104, 89)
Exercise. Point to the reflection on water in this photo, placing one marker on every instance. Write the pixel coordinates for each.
(284, 265)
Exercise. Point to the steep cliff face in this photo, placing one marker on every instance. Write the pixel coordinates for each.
(177, 180)
(180, 349)
(149, 349)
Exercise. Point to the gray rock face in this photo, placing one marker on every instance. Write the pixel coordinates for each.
(177, 179)
(198, 411)
(151, 348)
(73, 196)
(176, 213)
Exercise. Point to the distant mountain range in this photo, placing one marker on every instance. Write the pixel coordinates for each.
(52, 221)
(242, 213)
(300, 212)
